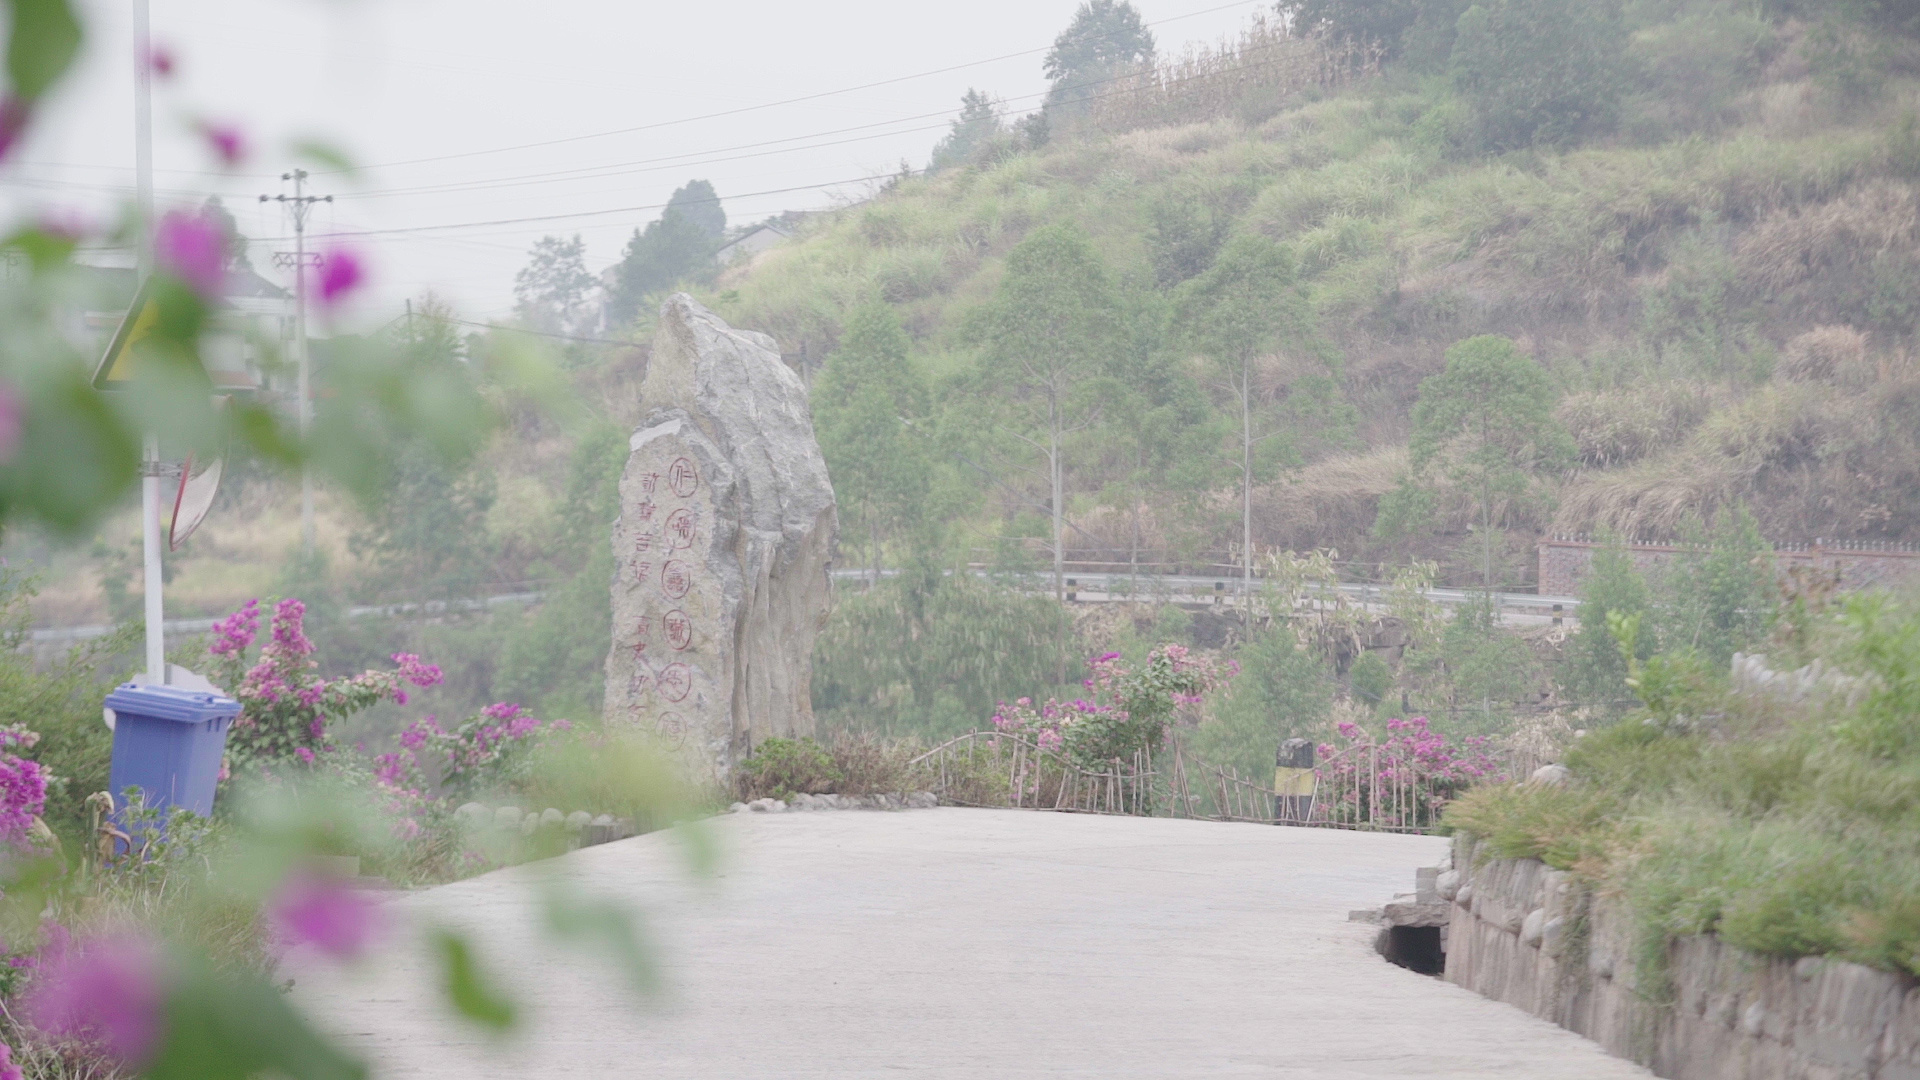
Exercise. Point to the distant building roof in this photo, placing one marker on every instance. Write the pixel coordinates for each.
(752, 242)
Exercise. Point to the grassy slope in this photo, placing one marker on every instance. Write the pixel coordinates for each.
(1684, 266)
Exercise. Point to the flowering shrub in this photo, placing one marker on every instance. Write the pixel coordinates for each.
(1129, 711)
(1412, 756)
(23, 786)
(489, 751)
(285, 705)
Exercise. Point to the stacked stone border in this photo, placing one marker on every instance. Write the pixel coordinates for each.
(1531, 936)
(1566, 560)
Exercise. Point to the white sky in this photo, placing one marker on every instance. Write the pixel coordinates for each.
(403, 80)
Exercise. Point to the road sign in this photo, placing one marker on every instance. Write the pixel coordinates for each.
(116, 367)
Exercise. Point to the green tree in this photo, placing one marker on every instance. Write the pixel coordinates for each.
(1047, 339)
(1158, 430)
(550, 293)
(929, 653)
(555, 660)
(1105, 38)
(1593, 671)
(1377, 22)
(1540, 71)
(678, 246)
(1283, 691)
(1479, 672)
(426, 533)
(1486, 424)
(1718, 594)
(1243, 308)
(866, 403)
(977, 124)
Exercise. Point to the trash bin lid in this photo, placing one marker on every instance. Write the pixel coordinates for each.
(171, 703)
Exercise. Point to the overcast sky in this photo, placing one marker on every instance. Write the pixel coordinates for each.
(439, 99)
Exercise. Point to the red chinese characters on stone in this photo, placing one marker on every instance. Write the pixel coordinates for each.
(675, 682)
(673, 729)
(645, 510)
(682, 478)
(641, 569)
(681, 526)
(643, 628)
(649, 481)
(675, 579)
(679, 629)
(643, 542)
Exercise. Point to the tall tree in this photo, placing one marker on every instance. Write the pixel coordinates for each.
(551, 291)
(865, 404)
(1540, 71)
(1243, 308)
(428, 531)
(1105, 38)
(1486, 424)
(979, 121)
(678, 246)
(1046, 340)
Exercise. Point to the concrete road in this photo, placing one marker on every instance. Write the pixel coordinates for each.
(958, 943)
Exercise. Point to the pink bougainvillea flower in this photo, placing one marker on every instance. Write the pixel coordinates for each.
(14, 115)
(325, 912)
(340, 274)
(227, 142)
(192, 248)
(110, 991)
(8, 1070)
(160, 61)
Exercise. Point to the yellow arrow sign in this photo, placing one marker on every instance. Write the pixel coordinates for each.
(116, 367)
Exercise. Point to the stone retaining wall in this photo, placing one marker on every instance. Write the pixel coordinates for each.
(1565, 562)
(1526, 934)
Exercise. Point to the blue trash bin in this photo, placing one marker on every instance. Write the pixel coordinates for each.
(168, 741)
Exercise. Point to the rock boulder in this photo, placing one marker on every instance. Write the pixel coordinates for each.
(721, 551)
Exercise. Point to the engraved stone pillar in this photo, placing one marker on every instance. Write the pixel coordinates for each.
(726, 524)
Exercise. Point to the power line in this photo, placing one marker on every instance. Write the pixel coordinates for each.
(611, 210)
(771, 104)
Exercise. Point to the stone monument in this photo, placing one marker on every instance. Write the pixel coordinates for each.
(720, 553)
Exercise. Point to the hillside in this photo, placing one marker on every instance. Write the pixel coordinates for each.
(1722, 287)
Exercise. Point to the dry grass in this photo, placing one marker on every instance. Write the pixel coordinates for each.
(1617, 427)
(1328, 503)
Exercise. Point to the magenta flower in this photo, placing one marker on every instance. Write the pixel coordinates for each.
(234, 634)
(8, 1070)
(325, 912)
(192, 248)
(340, 274)
(110, 991)
(228, 143)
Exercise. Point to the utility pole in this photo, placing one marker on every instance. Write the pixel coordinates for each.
(299, 204)
(143, 244)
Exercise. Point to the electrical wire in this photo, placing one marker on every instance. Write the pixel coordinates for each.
(765, 105)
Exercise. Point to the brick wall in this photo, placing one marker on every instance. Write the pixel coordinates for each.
(1565, 561)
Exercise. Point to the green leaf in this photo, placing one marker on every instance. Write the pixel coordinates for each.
(321, 152)
(44, 249)
(466, 988)
(45, 38)
(607, 928)
(232, 1028)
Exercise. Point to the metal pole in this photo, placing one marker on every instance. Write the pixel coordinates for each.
(143, 252)
(150, 542)
(143, 135)
(300, 334)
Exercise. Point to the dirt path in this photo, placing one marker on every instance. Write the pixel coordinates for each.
(970, 944)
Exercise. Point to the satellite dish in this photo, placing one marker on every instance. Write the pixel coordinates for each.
(194, 499)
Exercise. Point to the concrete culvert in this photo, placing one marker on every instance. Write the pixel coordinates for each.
(1416, 948)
